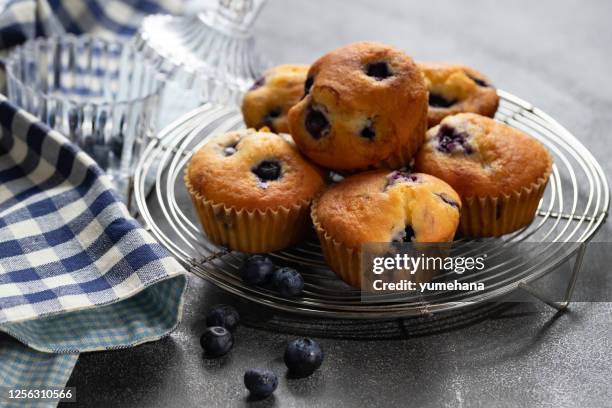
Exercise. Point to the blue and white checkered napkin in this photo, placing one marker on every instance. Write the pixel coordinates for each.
(25, 19)
(77, 273)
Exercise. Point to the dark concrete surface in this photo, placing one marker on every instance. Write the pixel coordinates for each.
(555, 54)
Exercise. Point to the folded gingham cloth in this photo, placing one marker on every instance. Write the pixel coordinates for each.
(24, 19)
(77, 272)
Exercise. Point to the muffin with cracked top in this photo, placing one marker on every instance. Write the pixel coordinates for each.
(252, 190)
(272, 95)
(455, 88)
(365, 106)
(499, 172)
(381, 206)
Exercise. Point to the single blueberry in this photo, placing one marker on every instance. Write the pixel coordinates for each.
(378, 70)
(303, 356)
(438, 101)
(260, 383)
(267, 170)
(258, 83)
(451, 139)
(288, 282)
(316, 123)
(444, 197)
(224, 316)
(308, 85)
(368, 131)
(216, 341)
(257, 270)
(271, 116)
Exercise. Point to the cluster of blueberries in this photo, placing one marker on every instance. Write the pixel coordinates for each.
(259, 270)
(302, 356)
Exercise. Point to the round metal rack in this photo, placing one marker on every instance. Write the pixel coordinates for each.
(574, 206)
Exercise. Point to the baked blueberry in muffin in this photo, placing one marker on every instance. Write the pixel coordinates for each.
(455, 88)
(499, 172)
(252, 190)
(382, 206)
(271, 96)
(365, 105)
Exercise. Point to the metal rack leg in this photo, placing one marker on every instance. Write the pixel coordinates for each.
(570, 287)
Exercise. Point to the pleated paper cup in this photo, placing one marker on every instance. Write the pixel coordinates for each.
(344, 261)
(252, 231)
(495, 216)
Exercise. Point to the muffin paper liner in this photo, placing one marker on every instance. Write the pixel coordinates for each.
(343, 260)
(252, 231)
(496, 216)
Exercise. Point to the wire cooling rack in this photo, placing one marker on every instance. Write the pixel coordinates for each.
(574, 206)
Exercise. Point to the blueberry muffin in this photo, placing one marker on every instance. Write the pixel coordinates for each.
(252, 190)
(499, 172)
(382, 206)
(365, 106)
(271, 96)
(455, 88)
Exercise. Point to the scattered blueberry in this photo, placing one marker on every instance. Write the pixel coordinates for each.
(224, 316)
(303, 356)
(316, 123)
(257, 270)
(216, 341)
(438, 101)
(260, 383)
(258, 83)
(308, 85)
(288, 282)
(450, 139)
(404, 236)
(379, 70)
(368, 131)
(444, 197)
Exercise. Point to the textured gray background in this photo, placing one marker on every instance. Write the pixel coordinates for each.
(555, 54)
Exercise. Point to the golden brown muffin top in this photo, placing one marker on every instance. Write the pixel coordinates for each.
(253, 170)
(363, 101)
(272, 95)
(480, 157)
(455, 88)
(378, 206)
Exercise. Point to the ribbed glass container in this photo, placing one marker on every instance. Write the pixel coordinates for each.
(101, 94)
